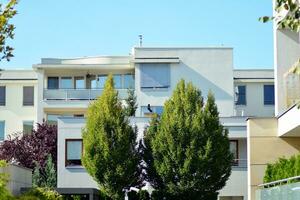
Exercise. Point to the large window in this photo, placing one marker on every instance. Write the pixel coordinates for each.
(66, 83)
(155, 75)
(128, 81)
(2, 95)
(2, 130)
(269, 95)
(101, 81)
(27, 127)
(73, 152)
(240, 95)
(28, 96)
(148, 111)
(79, 82)
(53, 82)
(117, 81)
(234, 149)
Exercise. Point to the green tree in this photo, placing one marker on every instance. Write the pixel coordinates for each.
(131, 104)
(4, 193)
(46, 177)
(190, 147)
(7, 12)
(110, 156)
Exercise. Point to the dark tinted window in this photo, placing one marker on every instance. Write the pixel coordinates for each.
(28, 96)
(269, 95)
(2, 95)
(52, 82)
(240, 95)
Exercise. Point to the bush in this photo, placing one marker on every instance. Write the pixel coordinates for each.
(282, 168)
(143, 195)
(132, 195)
(40, 194)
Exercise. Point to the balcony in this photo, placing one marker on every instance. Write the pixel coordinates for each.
(78, 94)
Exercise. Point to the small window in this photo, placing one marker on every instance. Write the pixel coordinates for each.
(79, 82)
(2, 130)
(128, 81)
(2, 95)
(240, 95)
(52, 82)
(234, 150)
(102, 80)
(148, 111)
(66, 83)
(28, 96)
(27, 127)
(269, 98)
(73, 152)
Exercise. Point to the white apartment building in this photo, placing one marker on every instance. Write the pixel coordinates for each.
(65, 88)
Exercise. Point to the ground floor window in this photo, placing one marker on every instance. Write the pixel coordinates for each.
(27, 127)
(2, 130)
(73, 152)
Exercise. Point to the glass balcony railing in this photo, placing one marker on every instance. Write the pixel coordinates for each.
(78, 94)
(278, 190)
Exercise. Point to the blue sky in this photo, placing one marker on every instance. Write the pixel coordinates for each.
(74, 28)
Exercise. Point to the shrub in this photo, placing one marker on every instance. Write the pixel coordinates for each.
(143, 195)
(40, 194)
(4, 193)
(282, 168)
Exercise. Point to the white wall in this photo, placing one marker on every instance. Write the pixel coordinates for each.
(71, 177)
(208, 69)
(286, 53)
(254, 100)
(14, 113)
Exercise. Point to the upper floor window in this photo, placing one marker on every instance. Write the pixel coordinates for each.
(148, 111)
(128, 81)
(155, 75)
(269, 98)
(117, 81)
(79, 82)
(2, 130)
(53, 82)
(28, 96)
(27, 127)
(66, 83)
(2, 95)
(101, 81)
(73, 152)
(240, 95)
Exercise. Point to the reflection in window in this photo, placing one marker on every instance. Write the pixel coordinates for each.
(27, 127)
(128, 81)
(102, 80)
(148, 111)
(117, 81)
(79, 82)
(66, 83)
(240, 95)
(73, 152)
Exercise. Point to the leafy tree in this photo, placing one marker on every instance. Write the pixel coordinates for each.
(7, 12)
(190, 147)
(131, 104)
(4, 193)
(110, 156)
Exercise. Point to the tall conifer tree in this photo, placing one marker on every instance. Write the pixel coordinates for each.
(109, 142)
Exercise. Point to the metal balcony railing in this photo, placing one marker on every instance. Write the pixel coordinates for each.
(78, 94)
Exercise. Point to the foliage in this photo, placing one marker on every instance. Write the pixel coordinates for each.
(45, 178)
(287, 15)
(110, 156)
(40, 194)
(282, 168)
(143, 195)
(4, 193)
(7, 12)
(28, 149)
(190, 147)
(131, 104)
(133, 195)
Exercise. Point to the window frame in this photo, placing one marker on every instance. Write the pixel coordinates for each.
(28, 103)
(237, 96)
(269, 103)
(66, 151)
(31, 121)
(235, 162)
(3, 121)
(4, 102)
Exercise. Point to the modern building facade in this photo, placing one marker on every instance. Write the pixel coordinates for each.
(64, 88)
(270, 138)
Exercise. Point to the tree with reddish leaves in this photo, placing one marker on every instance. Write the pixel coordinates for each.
(27, 150)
